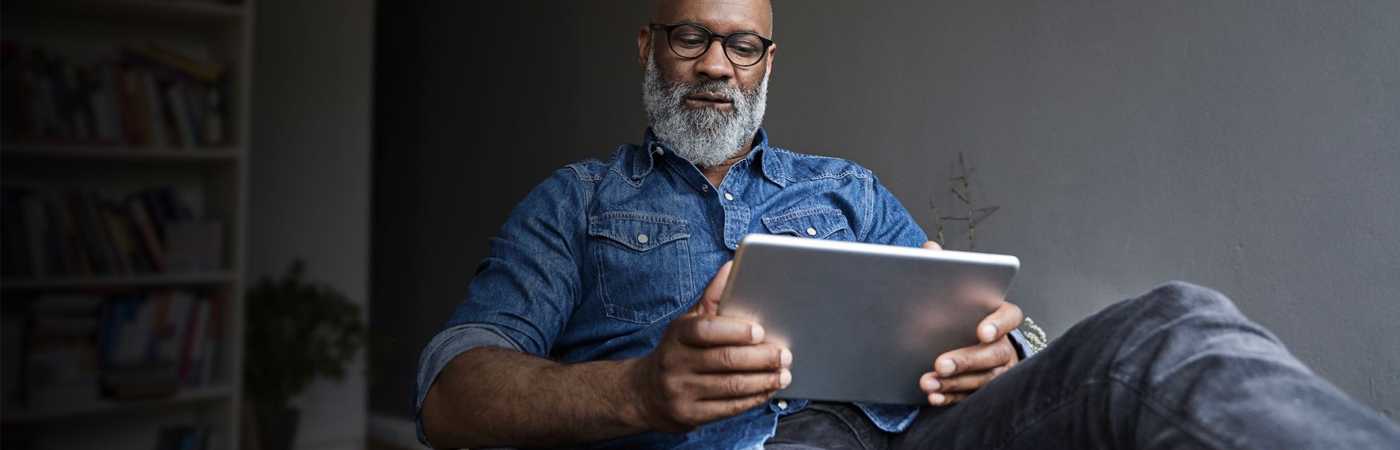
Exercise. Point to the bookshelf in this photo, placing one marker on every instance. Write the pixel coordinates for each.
(188, 397)
(20, 150)
(199, 160)
(121, 281)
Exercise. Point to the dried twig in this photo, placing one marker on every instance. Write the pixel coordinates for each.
(963, 191)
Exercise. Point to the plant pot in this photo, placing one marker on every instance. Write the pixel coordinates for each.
(277, 426)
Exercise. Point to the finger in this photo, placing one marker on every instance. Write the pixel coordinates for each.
(712, 410)
(709, 301)
(712, 331)
(975, 358)
(738, 385)
(931, 245)
(744, 358)
(945, 399)
(966, 382)
(1000, 322)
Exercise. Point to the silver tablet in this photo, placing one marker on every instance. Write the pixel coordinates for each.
(863, 321)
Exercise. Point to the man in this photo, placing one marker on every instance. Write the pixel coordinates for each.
(591, 322)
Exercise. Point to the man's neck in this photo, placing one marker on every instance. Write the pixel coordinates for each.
(717, 173)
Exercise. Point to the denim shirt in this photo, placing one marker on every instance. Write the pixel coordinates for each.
(602, 256)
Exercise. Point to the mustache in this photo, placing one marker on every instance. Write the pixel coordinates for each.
(680, 91)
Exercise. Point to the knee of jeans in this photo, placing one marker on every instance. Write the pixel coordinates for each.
(1178, 298)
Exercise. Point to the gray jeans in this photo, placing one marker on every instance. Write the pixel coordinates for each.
(1178, 367)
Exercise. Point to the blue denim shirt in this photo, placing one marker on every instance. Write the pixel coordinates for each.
(600, 257)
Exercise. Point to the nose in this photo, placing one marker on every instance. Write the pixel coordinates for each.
(714, 65)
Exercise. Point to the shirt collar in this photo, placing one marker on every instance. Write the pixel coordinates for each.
(772, 162)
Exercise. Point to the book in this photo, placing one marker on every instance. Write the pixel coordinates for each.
(147, 232)
(213, 340)
(61, 360)
(190, 370)
(98, 222)
(41, 236)
(118, 238)
(194, 246)
(94, 250)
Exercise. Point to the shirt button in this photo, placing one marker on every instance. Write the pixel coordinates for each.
(811, 231)
(642, 239)
(728, 196)
(782, 404)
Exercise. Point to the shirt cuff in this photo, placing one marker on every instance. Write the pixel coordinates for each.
(447, 345)
(1023, 347)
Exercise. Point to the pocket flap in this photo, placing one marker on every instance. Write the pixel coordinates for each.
(637, 230)
(819, 222)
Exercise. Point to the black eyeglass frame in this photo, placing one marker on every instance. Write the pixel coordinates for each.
(763, 53)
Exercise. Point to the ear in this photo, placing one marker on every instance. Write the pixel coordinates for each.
(772, 53)
(643, 46)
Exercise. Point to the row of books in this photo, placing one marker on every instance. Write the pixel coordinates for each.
(142, 95)
(79, 233)
(80, 348)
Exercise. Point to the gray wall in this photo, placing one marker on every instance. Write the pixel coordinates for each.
(1253, 147)
(309, 193)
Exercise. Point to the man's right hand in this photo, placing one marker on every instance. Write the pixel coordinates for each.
(707, 367)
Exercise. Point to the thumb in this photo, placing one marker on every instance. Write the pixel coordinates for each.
(709, 301)
(931, 245)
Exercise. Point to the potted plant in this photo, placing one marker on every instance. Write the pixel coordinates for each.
(297, 331)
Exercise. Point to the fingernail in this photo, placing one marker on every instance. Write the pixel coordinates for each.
(757, 333)
(946, 367)
(786, 358)
(988, 332)
(785, 378)
(931, 384)
(937, 399)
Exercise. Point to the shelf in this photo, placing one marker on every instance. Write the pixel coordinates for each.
(186, 11)
(113, 152)
(154, 280)
(106, 407)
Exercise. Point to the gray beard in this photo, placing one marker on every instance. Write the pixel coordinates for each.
(706, 136)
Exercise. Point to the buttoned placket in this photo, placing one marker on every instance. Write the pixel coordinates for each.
(736, 211)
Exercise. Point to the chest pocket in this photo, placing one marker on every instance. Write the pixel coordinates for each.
(643, 264)
(821, 222)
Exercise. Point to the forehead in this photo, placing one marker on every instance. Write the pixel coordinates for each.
(721, 16)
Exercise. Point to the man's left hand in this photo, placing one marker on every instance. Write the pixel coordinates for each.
(960, 372)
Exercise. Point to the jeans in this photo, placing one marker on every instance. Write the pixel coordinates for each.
(1178, 367)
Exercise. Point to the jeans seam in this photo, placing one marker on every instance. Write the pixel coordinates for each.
(1178, 420)
(1065, 399)
(854, 431)
(1202, 436)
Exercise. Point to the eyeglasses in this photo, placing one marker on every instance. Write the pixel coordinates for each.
(689, 41)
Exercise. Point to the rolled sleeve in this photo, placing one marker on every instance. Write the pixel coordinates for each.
(447, 345)
(887, 222)
(524, 291)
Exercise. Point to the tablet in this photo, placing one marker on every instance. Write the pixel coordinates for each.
(863, 321)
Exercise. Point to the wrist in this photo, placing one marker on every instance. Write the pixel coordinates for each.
(631, 396)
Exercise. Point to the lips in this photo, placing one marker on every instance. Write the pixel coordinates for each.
(709, 97)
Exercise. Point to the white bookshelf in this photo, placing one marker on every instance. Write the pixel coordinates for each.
(84, 31)
(122, 281)
(21, 150)
(95, 410)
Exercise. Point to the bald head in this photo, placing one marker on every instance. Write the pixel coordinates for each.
(677, 11)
